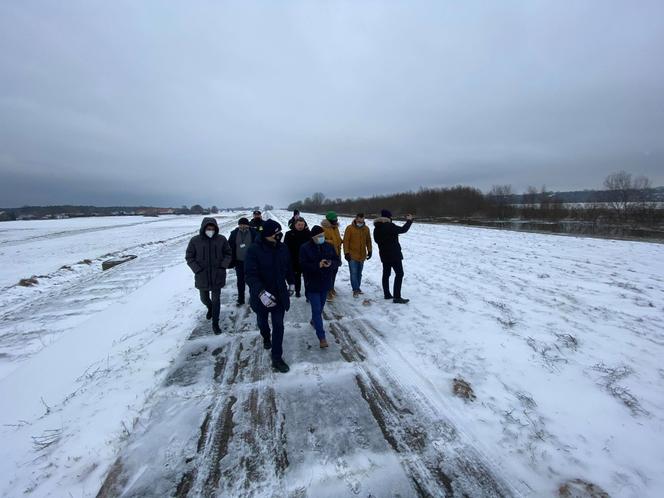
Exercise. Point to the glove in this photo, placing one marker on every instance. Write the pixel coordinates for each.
(267, 299)
(369, 255)
(347, 256)
(291, 289)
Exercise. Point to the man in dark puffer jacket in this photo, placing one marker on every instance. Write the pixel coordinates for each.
(208, 255)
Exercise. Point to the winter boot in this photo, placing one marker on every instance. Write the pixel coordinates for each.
(267, 343)
(323, 344)
(389, 296)
(209, 313)
(215, 328)
(400, 300)
(356, 293)
(330, 296)
(297, 294)
(280, 366)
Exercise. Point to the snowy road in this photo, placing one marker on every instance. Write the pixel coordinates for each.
(560, 339)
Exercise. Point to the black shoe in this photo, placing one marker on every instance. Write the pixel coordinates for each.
(400, 300)
(297, 294)
(215, 328)
(239, 303)
(267, 343)
(389, 296)
(209, 314)
(280, 366)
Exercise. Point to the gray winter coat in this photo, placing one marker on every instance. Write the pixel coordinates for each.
(208, 257)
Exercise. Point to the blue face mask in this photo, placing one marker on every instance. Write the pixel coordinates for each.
(359, 224)
(319, 240)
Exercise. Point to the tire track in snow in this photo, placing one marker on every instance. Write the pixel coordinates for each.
(235, 428)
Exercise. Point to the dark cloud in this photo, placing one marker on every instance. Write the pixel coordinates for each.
(246, 103)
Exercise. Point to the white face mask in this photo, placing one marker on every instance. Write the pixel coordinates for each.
(209, 233)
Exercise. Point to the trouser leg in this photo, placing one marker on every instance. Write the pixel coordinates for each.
(205, 298)
(317, 302)
(241, 284)
(360, 267)
(298, 282)
(398, 278)
(262, 316)
(277, 332)
(216, 304)
(387, 271)
(352, 269)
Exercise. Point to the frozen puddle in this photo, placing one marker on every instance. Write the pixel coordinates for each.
(337, 425)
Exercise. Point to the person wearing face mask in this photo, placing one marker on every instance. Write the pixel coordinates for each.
(269, 274)
(332, 236)
(294, 239)
(386, 235)
(318, 261)
(357, 249)
(240, 239)
(208, 255)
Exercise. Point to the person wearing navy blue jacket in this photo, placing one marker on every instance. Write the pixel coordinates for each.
(318, 261)
(269, 274)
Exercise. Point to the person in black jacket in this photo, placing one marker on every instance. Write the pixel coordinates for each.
(208, 255)
(294, 239)
(386, 235)
(240, 239)
(257, 221)
(318, 260)
(269, 275)
(296, 216)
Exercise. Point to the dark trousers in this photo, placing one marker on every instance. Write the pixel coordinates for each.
(298, 281)
(241, 283)
(212, 300)
(397, 266)
(277, 313)
(317, 302)
(334, 276)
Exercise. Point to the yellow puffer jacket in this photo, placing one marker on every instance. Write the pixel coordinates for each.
(332, 235)
(357, 242)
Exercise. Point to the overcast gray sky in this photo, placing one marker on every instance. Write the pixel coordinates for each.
(231, 103)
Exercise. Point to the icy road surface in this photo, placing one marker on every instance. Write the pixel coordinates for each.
(114, 385)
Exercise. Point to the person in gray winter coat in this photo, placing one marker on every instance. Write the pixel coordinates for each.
(209, 255)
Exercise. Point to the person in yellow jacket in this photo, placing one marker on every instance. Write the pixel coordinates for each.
(357, 249)
(331, 228)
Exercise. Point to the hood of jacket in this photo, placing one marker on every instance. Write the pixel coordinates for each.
(328, 224)
(382, 219)
(208, 221)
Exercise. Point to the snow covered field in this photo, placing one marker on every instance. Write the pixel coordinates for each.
(112, 383)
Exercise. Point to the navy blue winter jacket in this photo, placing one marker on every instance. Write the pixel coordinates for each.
(267, 267)
(317, 279)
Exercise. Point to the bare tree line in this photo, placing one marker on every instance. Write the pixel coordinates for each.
(625, 199)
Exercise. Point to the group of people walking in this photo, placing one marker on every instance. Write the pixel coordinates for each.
(274, 271)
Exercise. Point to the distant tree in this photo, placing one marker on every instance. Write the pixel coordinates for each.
(626, 193)
(317, 200)
(500, 198)
(197, 209)
(214, 209)
(268, 207)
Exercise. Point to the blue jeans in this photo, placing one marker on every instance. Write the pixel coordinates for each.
(317, 302)
(277, 313)
(355, 273)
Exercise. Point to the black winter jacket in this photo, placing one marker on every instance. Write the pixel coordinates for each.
(317, 279)
(294, 240)
(208, 257)
(268, 267)
(386, 235)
